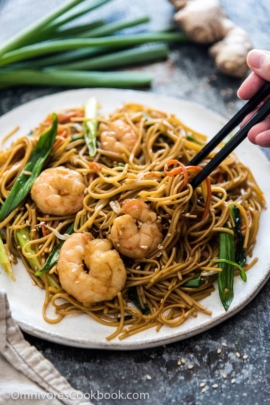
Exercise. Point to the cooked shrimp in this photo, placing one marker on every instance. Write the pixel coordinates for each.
(136, 240)
(59, 191)
(116, 136)
(89, 269)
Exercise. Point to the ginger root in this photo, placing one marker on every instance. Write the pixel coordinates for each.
(205, 22)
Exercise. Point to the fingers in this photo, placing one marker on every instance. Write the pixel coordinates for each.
(250, 86)
(259, 62)
(260, 133)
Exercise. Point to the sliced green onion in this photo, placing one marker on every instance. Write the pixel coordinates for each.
(44, 48)
(4, 261)
(121, 58)
(90, 126)
(32, 30)
(76, 78)
(110, 28)
(243, 274)
(133, 296)
(23, 236)
(193, 139)
(240, 253)
(23, 183)
(194, 282)
(54, 255)
(226, 276)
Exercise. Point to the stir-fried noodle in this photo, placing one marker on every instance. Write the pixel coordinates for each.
(135, 193)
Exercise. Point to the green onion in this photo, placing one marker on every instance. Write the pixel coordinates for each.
(110, 28)
(121, 58)
(64, 57)
(76, 78)
(71, 31)
(74, 13)
(23, 236)
(243, 274)
(133, 296)
(54, 255)
(4, 261)
(226, 276)
(23, 183)
(240, 254)
(193, 139)
(31, 31)
(194, 282)
(44, 48)
(90, 127)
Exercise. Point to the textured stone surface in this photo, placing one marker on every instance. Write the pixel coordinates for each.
(189, 73)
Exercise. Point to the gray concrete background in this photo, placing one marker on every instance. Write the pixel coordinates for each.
(190, 74)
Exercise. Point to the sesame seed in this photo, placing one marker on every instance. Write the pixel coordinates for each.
(191, 366)
(159, 254)
(204, 389)
(238, 354)
(33, 283)
(76, 282)
(203, 384)
(138, 267)
(183, 361)
(245, 356)
(218, 351)
(148, 377)
(233, 381)
(215, 385)
(169, 234)
(224, 376)
(160, 246)
(179, 363)
(143, 247)
(224, 344)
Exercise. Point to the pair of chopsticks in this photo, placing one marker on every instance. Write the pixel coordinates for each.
(236, 139)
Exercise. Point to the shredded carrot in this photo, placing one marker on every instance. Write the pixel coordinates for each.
(177, 170)
(62, 131)
(44, 230)
(95, 166)
(57, 143)
(63, 118)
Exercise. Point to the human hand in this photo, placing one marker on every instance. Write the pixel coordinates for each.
(259, 63)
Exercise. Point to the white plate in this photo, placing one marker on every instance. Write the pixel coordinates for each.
(80, 330)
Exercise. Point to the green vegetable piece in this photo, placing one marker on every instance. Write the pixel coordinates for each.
(133, 296)
(54, 255)
(193, 139)
(23, 236)
(240, 254)
(4, 261)
(194, 282)
(90, 127)
(24, 182)
(243, 274)
(226, 276)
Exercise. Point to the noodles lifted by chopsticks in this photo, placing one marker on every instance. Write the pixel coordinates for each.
(136, 194)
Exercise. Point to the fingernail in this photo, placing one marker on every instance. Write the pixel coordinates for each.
(256, 58)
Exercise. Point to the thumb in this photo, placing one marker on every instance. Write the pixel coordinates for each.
(259, 62)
